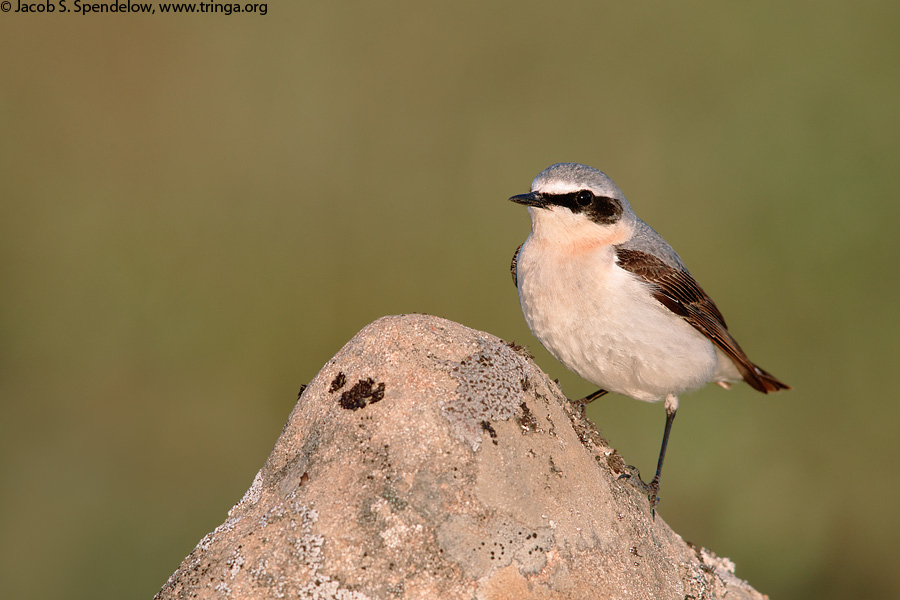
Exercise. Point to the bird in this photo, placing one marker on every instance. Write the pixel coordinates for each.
(610, 299)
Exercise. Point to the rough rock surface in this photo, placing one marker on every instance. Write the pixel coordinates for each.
(430, 460)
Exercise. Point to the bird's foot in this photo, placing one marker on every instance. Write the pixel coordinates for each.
(633, 475)
(653, 497)
(651, 489)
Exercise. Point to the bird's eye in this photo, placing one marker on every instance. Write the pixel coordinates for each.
(584, 198)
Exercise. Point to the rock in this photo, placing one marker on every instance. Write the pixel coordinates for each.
(430, 460)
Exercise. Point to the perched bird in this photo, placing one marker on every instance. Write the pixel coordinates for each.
(613, 302)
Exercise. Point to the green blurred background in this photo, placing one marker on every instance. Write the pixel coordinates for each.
(199, 211)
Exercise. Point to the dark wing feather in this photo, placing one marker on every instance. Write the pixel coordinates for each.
(679, 292)
(514, 264)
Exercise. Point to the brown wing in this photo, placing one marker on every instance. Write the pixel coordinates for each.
(680, 293)
(514, 264)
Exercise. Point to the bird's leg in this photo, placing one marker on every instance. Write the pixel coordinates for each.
(652, 488)
(591, 397)
(582, 404)
(671, 408)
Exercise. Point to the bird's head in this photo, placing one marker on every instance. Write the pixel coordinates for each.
(578, 206)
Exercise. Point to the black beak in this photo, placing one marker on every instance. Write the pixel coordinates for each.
(529, 199)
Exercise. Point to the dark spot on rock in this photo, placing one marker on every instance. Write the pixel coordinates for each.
(520, 350)
(302, 389)
(526, 384)
(554, 469)
(339, 381)
(486, 425)
(526, 420)
(362, 394)
(616, 462)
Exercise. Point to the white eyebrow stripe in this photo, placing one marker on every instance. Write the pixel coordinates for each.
(557, 187)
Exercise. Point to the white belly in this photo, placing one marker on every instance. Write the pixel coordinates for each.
(602, 323)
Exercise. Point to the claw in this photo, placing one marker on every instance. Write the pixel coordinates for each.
(651, 490)
(632, 471)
